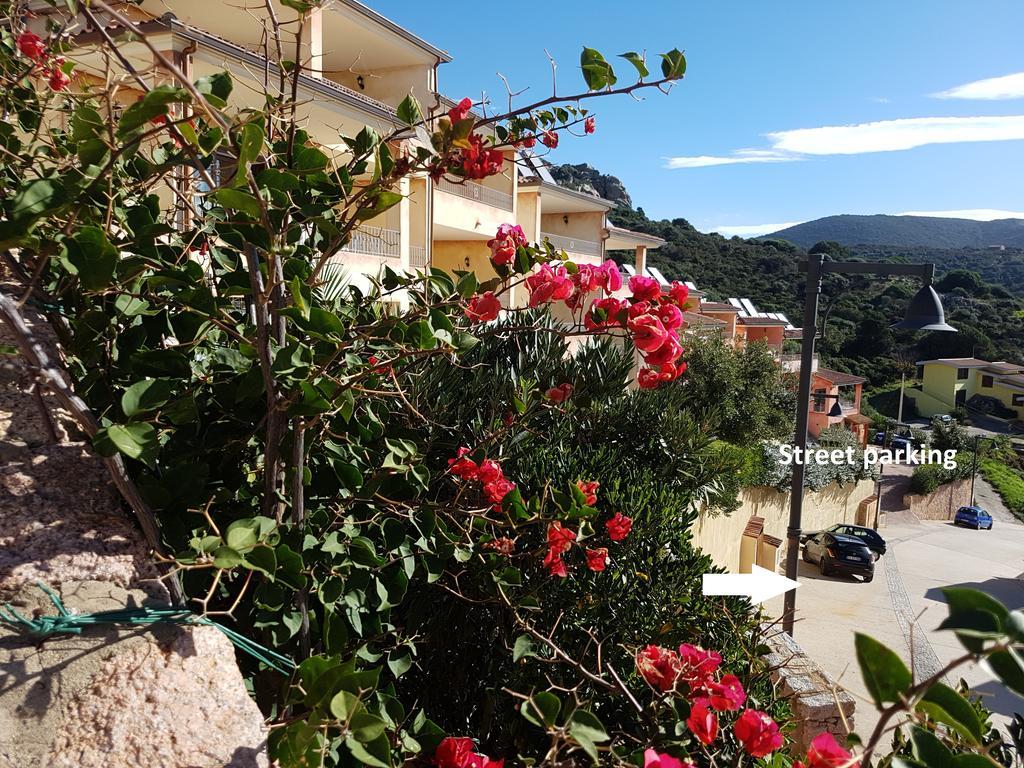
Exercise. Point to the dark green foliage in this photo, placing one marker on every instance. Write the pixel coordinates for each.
(920, 231)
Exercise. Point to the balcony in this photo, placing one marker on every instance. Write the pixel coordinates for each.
(417, 257)
(471, 190)
(574, 245)
(375, 241)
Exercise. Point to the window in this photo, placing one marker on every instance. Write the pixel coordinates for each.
(961, 373)
(986, 382)
(819, 400)
(1018, 401)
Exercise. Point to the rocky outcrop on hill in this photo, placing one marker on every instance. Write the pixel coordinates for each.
(163, 696)
(585, 178)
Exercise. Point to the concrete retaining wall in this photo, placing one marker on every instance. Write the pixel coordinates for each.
(721, 536)
(817, 701)
(942, 503)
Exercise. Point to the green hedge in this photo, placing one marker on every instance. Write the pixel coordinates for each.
(928, 477)
(1008, 482)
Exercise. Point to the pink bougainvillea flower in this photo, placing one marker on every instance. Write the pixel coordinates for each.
(457, 752)
(654, 759)
(497, 490)
(758, 733)
(463, 467)
(649, 378)
(549, 284)
(483, 307)
(703, 722)
(597, 559)
(505, 242)
(504, 545)
(589, 125)
(555, 564)
(560, 538)
(549, 139)
(679, 293)
(698, 665)
(658, 666)
(490, 471)
(529, 141)
(589, 489)
(644, 288)
(32, 46)
(825, 752)
(604, 313)
(611, 278)
(479, 160)
(461, 110)
(668, 352)
(559, 394)
(727, 695)
(619, 526)
(670, 315)
(647, 332)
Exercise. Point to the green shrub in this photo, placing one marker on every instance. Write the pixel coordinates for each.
(1008, 482)
(926, 478)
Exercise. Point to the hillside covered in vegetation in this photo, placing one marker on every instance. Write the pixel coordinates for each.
(907, 231)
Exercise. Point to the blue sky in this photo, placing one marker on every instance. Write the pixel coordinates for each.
(759, 75)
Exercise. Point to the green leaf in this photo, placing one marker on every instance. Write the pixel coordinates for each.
(399, 662)
(928, 749)
(36, 199)
(240, 201)
(250, 144)
(523, 648)
(93, 257)
(215, 88)
(1008, 667)
(154, 104)
(409, 111)
(885, 674)
(145, 396)
(241, 536)
(376, 753)
(962, 599)
(378, 204)
(136, 441)
(673, 64)
(583, 722)
(541, 709)
(344, 705)
(262, 559)
(366, 727)
(597, 72)
(944, 705)
(637, 61)
(226, 557)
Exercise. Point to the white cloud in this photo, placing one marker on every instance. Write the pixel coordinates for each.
(751, 230)
(740, 156)
(862, 138)
(989, 89)
(978, 214)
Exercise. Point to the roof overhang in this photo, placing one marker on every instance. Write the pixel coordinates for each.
(558, 199)
(620, 239)
(390, 26)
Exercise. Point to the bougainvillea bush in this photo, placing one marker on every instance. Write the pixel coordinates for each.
(472, 546)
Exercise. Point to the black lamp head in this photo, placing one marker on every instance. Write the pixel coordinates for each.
(836, 410)
(925, 313)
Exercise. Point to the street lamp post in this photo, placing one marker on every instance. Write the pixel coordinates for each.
(924, 313)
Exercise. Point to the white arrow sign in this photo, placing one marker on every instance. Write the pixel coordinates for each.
(760, 585)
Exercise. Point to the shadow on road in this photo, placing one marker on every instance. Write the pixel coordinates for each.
(811, 571)
(1008, 591)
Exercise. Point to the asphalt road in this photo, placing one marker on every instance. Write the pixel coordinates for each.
(903, 605)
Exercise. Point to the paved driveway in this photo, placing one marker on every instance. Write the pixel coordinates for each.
(902, 605)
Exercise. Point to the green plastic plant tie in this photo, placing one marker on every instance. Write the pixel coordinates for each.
(68, 623)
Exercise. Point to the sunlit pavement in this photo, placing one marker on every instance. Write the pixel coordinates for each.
(902, 606)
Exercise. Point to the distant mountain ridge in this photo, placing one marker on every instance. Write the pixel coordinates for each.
(927, 231)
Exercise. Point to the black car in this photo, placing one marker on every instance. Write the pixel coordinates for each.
(868, 536)
(837, 553)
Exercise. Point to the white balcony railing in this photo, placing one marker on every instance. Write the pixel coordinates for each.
(375, 241)
(574, 244)
(417, 257)
(473, 191)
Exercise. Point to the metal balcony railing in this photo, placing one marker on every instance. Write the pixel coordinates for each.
(574, 244)
(417, 257)
(473, 191)
(795, 358)
(375, 241)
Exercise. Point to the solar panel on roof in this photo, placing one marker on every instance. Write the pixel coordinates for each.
(629, 269)
(653, 272)
(749, 306)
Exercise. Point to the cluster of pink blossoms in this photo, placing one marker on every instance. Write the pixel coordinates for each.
(478, 160)
(488, 473)
(693, 672)
(33, 47)
(459, 752)
(561, 539)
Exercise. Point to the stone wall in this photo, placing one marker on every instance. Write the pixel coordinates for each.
(161, 697)
(817, 701)
(720, 536)
(942, 503)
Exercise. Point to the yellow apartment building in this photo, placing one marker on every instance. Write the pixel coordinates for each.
(948, 383)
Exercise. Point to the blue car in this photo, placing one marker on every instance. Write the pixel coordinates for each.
(973, 517)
